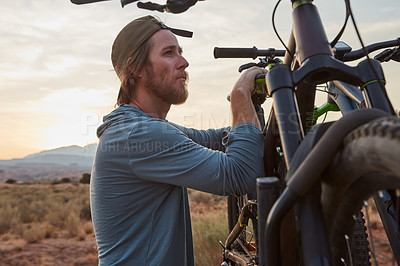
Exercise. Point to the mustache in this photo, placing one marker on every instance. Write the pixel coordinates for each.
(183, 74)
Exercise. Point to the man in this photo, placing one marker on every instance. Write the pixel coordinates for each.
(144, 164)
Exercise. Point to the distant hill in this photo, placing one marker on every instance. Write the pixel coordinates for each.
(57, 163)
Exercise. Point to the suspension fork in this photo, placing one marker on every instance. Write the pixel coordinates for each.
(309, 36)
(375, 95)
(373, 86)
(281, 88)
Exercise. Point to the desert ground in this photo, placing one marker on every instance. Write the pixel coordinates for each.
(33, 233)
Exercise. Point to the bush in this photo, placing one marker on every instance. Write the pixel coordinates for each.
(55, 208)
(85, 179)
(73, 225)
(9, 217)
(33, 234)
(66, 180)
(11, 181)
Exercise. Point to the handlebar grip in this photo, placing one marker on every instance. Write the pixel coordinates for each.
(357, 54)
(236, 52)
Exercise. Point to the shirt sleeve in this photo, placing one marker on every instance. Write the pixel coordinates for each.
(210, 138)
(160, 152)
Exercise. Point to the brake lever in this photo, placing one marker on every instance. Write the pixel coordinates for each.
(179, 6)
(172, 6)
(151, 6)
(389, 54)
(125, 2)
(396, 55)
(264, 62)
(246, 66)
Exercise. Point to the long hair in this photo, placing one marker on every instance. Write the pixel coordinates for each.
(132, 65)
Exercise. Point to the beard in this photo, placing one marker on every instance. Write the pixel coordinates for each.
(165, 90)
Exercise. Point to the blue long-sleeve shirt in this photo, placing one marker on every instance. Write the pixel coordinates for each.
(142, 169)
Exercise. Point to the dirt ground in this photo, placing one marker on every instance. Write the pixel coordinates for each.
(383, 252)
(75, 251)
(53, 251)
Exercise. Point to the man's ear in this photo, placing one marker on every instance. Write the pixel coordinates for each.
(136, 74)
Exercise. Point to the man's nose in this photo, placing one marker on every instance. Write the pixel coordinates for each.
(183, 63)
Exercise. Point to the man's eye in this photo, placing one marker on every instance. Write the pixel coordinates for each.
(168, 52)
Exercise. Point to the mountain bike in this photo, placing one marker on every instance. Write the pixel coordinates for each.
(241, 245)
(318, 175)
(314, 187)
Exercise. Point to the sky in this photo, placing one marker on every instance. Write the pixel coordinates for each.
(57, 80)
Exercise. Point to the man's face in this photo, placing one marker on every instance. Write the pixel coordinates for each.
(165, 76)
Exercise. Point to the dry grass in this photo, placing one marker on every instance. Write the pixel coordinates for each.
(210, 226)
(207, 232)
(46, 225)
(50, 225)
(35, 212)
(39, 219)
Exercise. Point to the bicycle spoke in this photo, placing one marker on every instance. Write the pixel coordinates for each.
(347, 238)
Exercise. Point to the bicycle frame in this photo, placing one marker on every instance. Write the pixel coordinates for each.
(293, 93)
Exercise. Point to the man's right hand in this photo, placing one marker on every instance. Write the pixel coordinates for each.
(242, 107)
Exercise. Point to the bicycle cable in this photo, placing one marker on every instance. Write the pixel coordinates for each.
(380, 82)
(333, 43)
(276, 31)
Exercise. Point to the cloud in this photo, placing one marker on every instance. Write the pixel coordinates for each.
(55, 68)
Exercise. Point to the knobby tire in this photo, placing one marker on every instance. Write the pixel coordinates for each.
(368, 162)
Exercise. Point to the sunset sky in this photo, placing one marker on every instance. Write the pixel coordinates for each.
(56, 76)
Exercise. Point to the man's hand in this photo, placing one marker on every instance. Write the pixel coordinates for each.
(242, 107)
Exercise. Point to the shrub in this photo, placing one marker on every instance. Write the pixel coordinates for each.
(49, 205)
(201, 197)
(11, 181)
(85, 213)
(66, 180)
(8, 218)
(74, 226)
(88, 228)
(85, 178)
(34, 234)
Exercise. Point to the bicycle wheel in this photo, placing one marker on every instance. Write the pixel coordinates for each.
(369, 162)
(244, 246)
(234, 206)
(359, 243)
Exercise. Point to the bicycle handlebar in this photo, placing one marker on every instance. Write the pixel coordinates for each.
(357, 54)
(173, 6)
(220, 52)
(245, 52)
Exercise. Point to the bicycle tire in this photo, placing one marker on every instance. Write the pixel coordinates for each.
(368, 162)
(233, 211)
(359, 244)
(235, 205)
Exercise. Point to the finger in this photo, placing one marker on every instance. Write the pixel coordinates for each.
(254, 71)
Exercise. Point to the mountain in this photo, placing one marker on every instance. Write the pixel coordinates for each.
(70, 161)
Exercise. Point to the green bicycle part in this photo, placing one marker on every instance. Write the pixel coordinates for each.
(272, 64)
(326, 107)
(260, 90)
(300, 2)
(370, 82)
